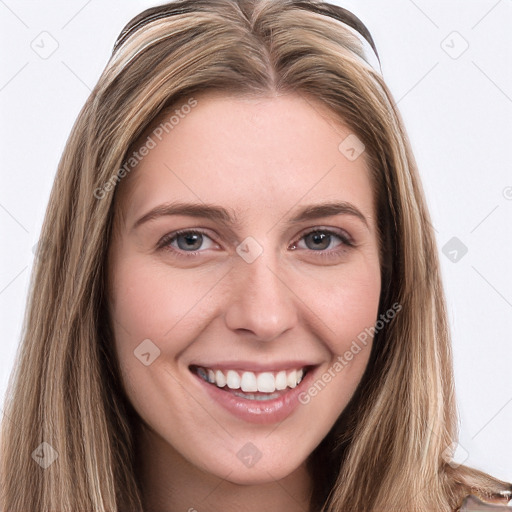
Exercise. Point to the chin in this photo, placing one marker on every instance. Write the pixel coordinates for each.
(260, 473)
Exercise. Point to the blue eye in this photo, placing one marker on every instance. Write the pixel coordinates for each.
(319, 236)
(193, 239)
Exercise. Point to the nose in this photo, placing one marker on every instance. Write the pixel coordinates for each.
(261, 304)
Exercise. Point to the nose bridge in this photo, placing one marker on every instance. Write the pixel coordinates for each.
(259, 300)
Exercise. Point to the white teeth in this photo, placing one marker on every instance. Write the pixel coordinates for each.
(291, 379)
(233, 380)
(266, 382)
(250, 382)
(220, 379)
(281, 381)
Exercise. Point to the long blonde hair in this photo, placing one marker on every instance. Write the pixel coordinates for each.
(387, 449)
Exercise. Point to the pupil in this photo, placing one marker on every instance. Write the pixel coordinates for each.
(320, 237)
(195, 237)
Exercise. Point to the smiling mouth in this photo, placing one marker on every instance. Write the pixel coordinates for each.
(252, 385)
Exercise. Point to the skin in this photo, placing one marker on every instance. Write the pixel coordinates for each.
(265, 158)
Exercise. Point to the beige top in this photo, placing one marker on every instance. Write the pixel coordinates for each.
(473, 504)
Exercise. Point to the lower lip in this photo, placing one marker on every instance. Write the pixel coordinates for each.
(264, 412)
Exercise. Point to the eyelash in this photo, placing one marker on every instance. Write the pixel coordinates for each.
(165, 242)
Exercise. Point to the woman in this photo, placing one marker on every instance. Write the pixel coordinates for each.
(259, 371)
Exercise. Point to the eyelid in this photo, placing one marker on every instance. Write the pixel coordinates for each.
(168, 238)
(344, 235)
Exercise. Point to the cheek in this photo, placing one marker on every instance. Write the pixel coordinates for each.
(354, 313)
(150, 300)
(167, 306)
(155, 310)
(347, 305)
(344, 301)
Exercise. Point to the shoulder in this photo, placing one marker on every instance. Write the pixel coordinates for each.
(473, 504)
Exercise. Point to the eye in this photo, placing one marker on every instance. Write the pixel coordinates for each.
(186, 239)
(319, 239)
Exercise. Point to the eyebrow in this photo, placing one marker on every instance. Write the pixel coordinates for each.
(230, 218)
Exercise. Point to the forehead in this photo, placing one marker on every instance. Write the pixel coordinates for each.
(251, 154)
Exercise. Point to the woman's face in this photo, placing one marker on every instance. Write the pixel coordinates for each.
(254, 295)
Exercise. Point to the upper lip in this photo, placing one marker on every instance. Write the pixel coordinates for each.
(252, 366)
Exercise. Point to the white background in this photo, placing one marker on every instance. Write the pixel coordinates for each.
(458, 112)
